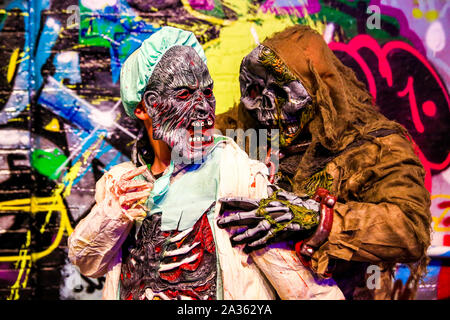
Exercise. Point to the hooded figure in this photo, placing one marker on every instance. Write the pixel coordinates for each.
(342, 143)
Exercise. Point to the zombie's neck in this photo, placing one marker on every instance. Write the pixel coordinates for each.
(161, 150)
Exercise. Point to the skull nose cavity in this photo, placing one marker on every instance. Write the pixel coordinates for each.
(267, 103)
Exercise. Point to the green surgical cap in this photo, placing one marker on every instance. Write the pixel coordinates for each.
(139, 66)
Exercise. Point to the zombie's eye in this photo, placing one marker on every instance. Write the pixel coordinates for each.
(254, 91)
(207, 92)
(184, 94)
(279, 92)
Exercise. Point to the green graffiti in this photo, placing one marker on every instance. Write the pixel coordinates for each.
(216, 12)
(47, 163)
(345, 14)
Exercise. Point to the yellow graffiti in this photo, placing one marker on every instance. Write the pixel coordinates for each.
(34, 205)
(237, 38)
(430, 15)
(66, 187)
(213, 20)
(53, 126)
(70, 177)
(24, 266)
(12, 65)
(5, 12)
(50, 204)
(437, 220)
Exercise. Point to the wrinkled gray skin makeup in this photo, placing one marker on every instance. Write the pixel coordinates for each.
(261, 91)
(180, 102)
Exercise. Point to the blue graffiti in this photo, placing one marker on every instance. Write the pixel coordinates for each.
(27, 80)
(124, 31)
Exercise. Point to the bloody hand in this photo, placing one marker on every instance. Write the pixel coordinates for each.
(131, 194)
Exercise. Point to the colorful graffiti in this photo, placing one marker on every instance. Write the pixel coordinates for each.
(62, 124)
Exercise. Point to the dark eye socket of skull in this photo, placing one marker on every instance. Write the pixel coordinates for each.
(279, 92)
(254, 91)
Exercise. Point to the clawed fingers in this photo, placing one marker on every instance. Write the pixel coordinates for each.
(284, 195)
(239, 219)
(133, 173)
(132, 197)
(137, 213)
(294, 227)
(280, 214)
(137, 185)
(260, 242)
(241, 203)
(252, 234)
(266, 237)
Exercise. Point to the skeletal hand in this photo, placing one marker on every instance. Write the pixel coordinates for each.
(132, 194)
(282, 216)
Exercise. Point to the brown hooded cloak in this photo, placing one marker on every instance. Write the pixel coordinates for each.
(382, 216)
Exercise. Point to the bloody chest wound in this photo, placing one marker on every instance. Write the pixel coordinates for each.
(169, 264)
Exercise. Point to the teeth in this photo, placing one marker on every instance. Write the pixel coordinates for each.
(198, 138)
(200, 123)
(292, 129)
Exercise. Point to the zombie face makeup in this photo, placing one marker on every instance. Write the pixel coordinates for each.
(272, 94)
(181, 103)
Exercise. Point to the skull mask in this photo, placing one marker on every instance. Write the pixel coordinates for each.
(181, 104)
(272, 94)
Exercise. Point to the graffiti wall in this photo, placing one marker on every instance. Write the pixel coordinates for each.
(62, 124)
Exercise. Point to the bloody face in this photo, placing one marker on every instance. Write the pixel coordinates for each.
(272, 94)
(181, 103)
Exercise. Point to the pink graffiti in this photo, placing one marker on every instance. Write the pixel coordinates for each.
(384, 67)
(428, 107)
(293, 7)
(365, 41)
(202, 4)
(426, 165)
(409, 91)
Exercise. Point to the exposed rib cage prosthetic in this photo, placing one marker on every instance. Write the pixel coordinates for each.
(169, 265)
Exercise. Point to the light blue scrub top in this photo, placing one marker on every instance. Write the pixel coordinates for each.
(183, 202)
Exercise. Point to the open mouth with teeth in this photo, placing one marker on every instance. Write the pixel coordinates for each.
(200, 133)
(288, 131)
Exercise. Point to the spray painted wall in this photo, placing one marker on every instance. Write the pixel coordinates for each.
(62, 125)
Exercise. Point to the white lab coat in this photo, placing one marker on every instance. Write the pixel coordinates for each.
(95, 245)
